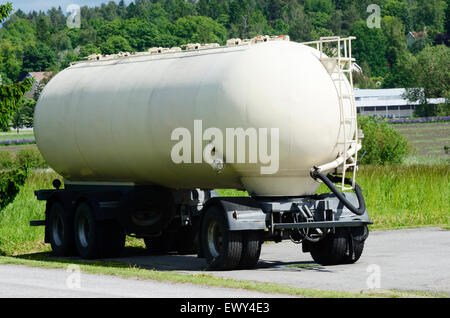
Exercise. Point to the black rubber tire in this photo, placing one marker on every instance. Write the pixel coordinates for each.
(330, 250)
(251, 249)
(336, 248)
(60, 233)
(96, 239)
(222, 247)
(359, 235)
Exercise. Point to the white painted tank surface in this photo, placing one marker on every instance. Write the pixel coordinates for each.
(111, 121)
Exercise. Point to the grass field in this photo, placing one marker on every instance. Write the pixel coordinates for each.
(428, 139)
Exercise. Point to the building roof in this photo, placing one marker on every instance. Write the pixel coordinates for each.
(386, 97)
(39, 76)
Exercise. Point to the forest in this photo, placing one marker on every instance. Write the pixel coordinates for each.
(409, 49)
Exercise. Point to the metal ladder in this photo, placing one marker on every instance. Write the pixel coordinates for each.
(338, 64)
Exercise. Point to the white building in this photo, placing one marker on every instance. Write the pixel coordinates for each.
(387, 103)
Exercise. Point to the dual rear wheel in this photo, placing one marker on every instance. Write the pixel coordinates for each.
(344, 246)
(225, 249)
(81, 234)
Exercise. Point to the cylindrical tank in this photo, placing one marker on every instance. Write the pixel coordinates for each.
(112, 121)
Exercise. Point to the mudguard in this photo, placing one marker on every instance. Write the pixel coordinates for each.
(243, 213)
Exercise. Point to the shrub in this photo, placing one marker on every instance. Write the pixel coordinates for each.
(382, 144)
(10, 183)
(31, 158)
(6, 159)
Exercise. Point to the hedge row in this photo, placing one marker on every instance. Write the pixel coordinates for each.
(28, 157)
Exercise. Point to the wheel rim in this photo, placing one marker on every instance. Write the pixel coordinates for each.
(215, 239)
(83, 230)
(57, 229)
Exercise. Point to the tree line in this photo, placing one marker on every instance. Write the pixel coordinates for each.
(41, 41)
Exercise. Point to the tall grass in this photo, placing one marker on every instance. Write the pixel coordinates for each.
(399, 196)
(405, 196)
(16, 235)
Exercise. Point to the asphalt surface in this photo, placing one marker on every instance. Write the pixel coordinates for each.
(409, 260)
(32, 282)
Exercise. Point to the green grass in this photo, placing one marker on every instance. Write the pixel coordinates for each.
(16, 235)
(406, 196)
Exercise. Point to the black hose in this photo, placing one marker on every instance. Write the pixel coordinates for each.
(329, 182)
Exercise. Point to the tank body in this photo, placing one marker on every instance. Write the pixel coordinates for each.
(112, 121)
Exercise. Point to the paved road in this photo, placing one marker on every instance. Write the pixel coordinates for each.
(32, 282)
(412, 259)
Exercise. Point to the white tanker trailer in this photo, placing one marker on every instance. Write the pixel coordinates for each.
(143, 140)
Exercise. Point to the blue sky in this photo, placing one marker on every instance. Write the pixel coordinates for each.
(44, 5)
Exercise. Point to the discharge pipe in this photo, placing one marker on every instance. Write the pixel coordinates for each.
(329, 182)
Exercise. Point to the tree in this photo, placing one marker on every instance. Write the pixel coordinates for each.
(60, 41)
(195, 29)
(10, 64)
(38, 57)
(42, 31)
(69, 58)
(430, 14)
(447, 18)
(274, 10)
(394, 32)
(258, 24)
(398, 9)
(10, 95)
(89, 49)
(139, 33)
(370, 46)
(203, 7)
(115, 44)
(324, 6)
(431, 76)
(24, 115)
(349, 17)
(401, 73)
(300, 27)
(5, 11)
